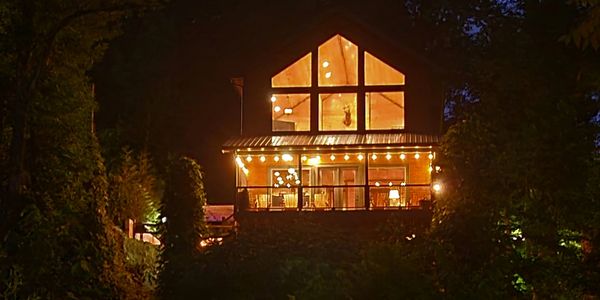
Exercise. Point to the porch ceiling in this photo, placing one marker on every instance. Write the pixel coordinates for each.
(345, 141)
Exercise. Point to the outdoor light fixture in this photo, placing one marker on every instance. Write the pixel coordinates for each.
(417, 155)
(402, 156)
(346, 157)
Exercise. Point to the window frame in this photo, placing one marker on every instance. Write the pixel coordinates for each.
(360, 89)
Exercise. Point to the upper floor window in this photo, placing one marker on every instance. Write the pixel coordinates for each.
(338, 91)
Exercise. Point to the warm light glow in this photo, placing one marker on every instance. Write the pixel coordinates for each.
(403, 183)
(304, 158)
(402, 156)
(325, 64)
(430, 169)
(297, 181)
(360, 157)
(437, 187)
(388, 156)
(438, 168)
(328, 75)
(276, 158)
(377, 183)
(288, 111)
(374, 156)
(263, 158)
(314, 161)
(277, 109)
(417, 156)
(292, 171)
(390, 183)
(332, 157)
(287, 157)
(239, 161)
(430, 156)
(346, 157)
(273, 98)
(277, 173)
(248, 158)
(245, 170)
(394, 194)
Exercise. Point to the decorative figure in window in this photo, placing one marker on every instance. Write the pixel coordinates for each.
(347, 115)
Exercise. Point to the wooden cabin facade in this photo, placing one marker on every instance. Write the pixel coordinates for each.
(340, 120)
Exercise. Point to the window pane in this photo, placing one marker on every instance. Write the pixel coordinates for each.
(338, 62)
(337, 111)
(290, 112)
(384, 110)
(379, 73)
(296, 75)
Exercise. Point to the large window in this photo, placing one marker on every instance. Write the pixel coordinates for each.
(339, 91)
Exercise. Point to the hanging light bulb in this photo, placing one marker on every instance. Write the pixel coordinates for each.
(276, 158)
(374, 156)
(346, 157)
(287, 157)
(377, 183)
(263, 158)
(328, 75)
(249, 158)
(402, 156)
(360, 157)
(332, 157)
(325, 64)
(277, 109)
(304, 158)
(388, 156)
(417, 155)
(430, 155)
(273, 98)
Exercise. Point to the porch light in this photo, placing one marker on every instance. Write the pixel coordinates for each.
(277, 108)
(249, 158)
(263, 158)
(332, 157)
(402, 156)
(360, 157)
(325, 64)
(273, 98)
(239, 161)
(346, 157)
(276, 158)
(287, 157)
(430, 156)
(328, 75)
(417, 155)
(388, 156)
(374, 156)
(288, 111)
(437, 187)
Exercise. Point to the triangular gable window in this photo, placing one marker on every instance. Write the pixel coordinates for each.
(379, 73)
(338, 62)
(295, 75)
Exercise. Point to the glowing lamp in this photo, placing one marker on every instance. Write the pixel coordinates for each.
(437, 187)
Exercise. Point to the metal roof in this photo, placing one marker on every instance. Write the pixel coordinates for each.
(344, 140)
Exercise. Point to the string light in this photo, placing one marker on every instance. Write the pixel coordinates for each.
(346, 157)
(332, 157)
(263, 158)
(417, 155)
(249, 158)
(402, 156)
(288, 111)
(388, 156)
(304, 158)
(287, 157)
(273, 98)
(328, 75)
(377, 183)
(276, 158)
(277, 109)
(430, 156)
(374, 156)
(360, 157)
(325, 64)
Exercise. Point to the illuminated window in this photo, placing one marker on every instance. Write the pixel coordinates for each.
(337, 112)
(379, 73)
(290, 112)
(338, 62)
(296, 75)
(340, 91)
(385, 110)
